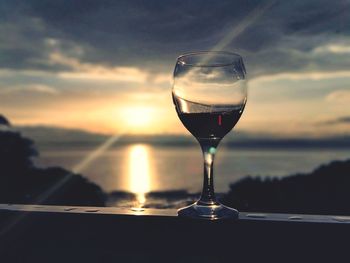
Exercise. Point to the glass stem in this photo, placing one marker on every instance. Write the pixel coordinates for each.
(208, 194)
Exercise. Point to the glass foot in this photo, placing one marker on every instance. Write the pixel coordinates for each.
(209, 212)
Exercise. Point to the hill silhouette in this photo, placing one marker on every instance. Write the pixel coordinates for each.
(323, 191)
(23, 183)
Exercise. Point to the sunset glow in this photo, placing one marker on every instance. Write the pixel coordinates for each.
(298, 102)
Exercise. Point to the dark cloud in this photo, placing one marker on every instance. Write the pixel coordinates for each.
(319, 17)
(124, 32)
(340, 120)
(23, 45)
(344, 119)
(153, 33)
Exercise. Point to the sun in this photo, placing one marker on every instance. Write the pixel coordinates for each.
(137, 117)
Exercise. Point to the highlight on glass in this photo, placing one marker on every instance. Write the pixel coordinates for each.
(209, 92)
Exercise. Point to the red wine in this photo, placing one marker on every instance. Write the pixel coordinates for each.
(207, 121)
(210, 125)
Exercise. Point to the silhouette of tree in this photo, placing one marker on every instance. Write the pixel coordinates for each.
(4, 121)
(22, 182)
(15, 152)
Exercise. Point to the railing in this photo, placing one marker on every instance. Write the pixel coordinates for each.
(33, 233)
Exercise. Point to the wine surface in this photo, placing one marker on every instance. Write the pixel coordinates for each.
(207, 121)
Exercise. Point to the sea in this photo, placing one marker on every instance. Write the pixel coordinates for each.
(144, 168)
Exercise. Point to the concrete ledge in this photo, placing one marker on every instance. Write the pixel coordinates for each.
(32, 233)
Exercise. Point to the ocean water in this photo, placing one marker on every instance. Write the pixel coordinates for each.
(141, 168)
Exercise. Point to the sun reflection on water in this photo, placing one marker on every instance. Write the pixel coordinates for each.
(139, 172)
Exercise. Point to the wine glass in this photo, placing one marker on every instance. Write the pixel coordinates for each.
(209, 92)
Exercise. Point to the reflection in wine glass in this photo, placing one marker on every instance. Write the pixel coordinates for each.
(209, 94)
(139, 173)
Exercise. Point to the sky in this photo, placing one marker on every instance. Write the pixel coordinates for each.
(106, 66)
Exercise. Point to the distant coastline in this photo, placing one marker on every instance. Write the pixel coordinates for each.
(46, 137)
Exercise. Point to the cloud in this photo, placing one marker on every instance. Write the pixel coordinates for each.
(337, 48)
(339, 96)
(343, 120)
(88, 71)
(97, 72)
(311, 75)
(73, 69)
(340, 120)
(31, 88)
(24, 45)
(151, 35)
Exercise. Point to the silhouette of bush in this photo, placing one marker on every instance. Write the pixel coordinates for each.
(324, 191)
